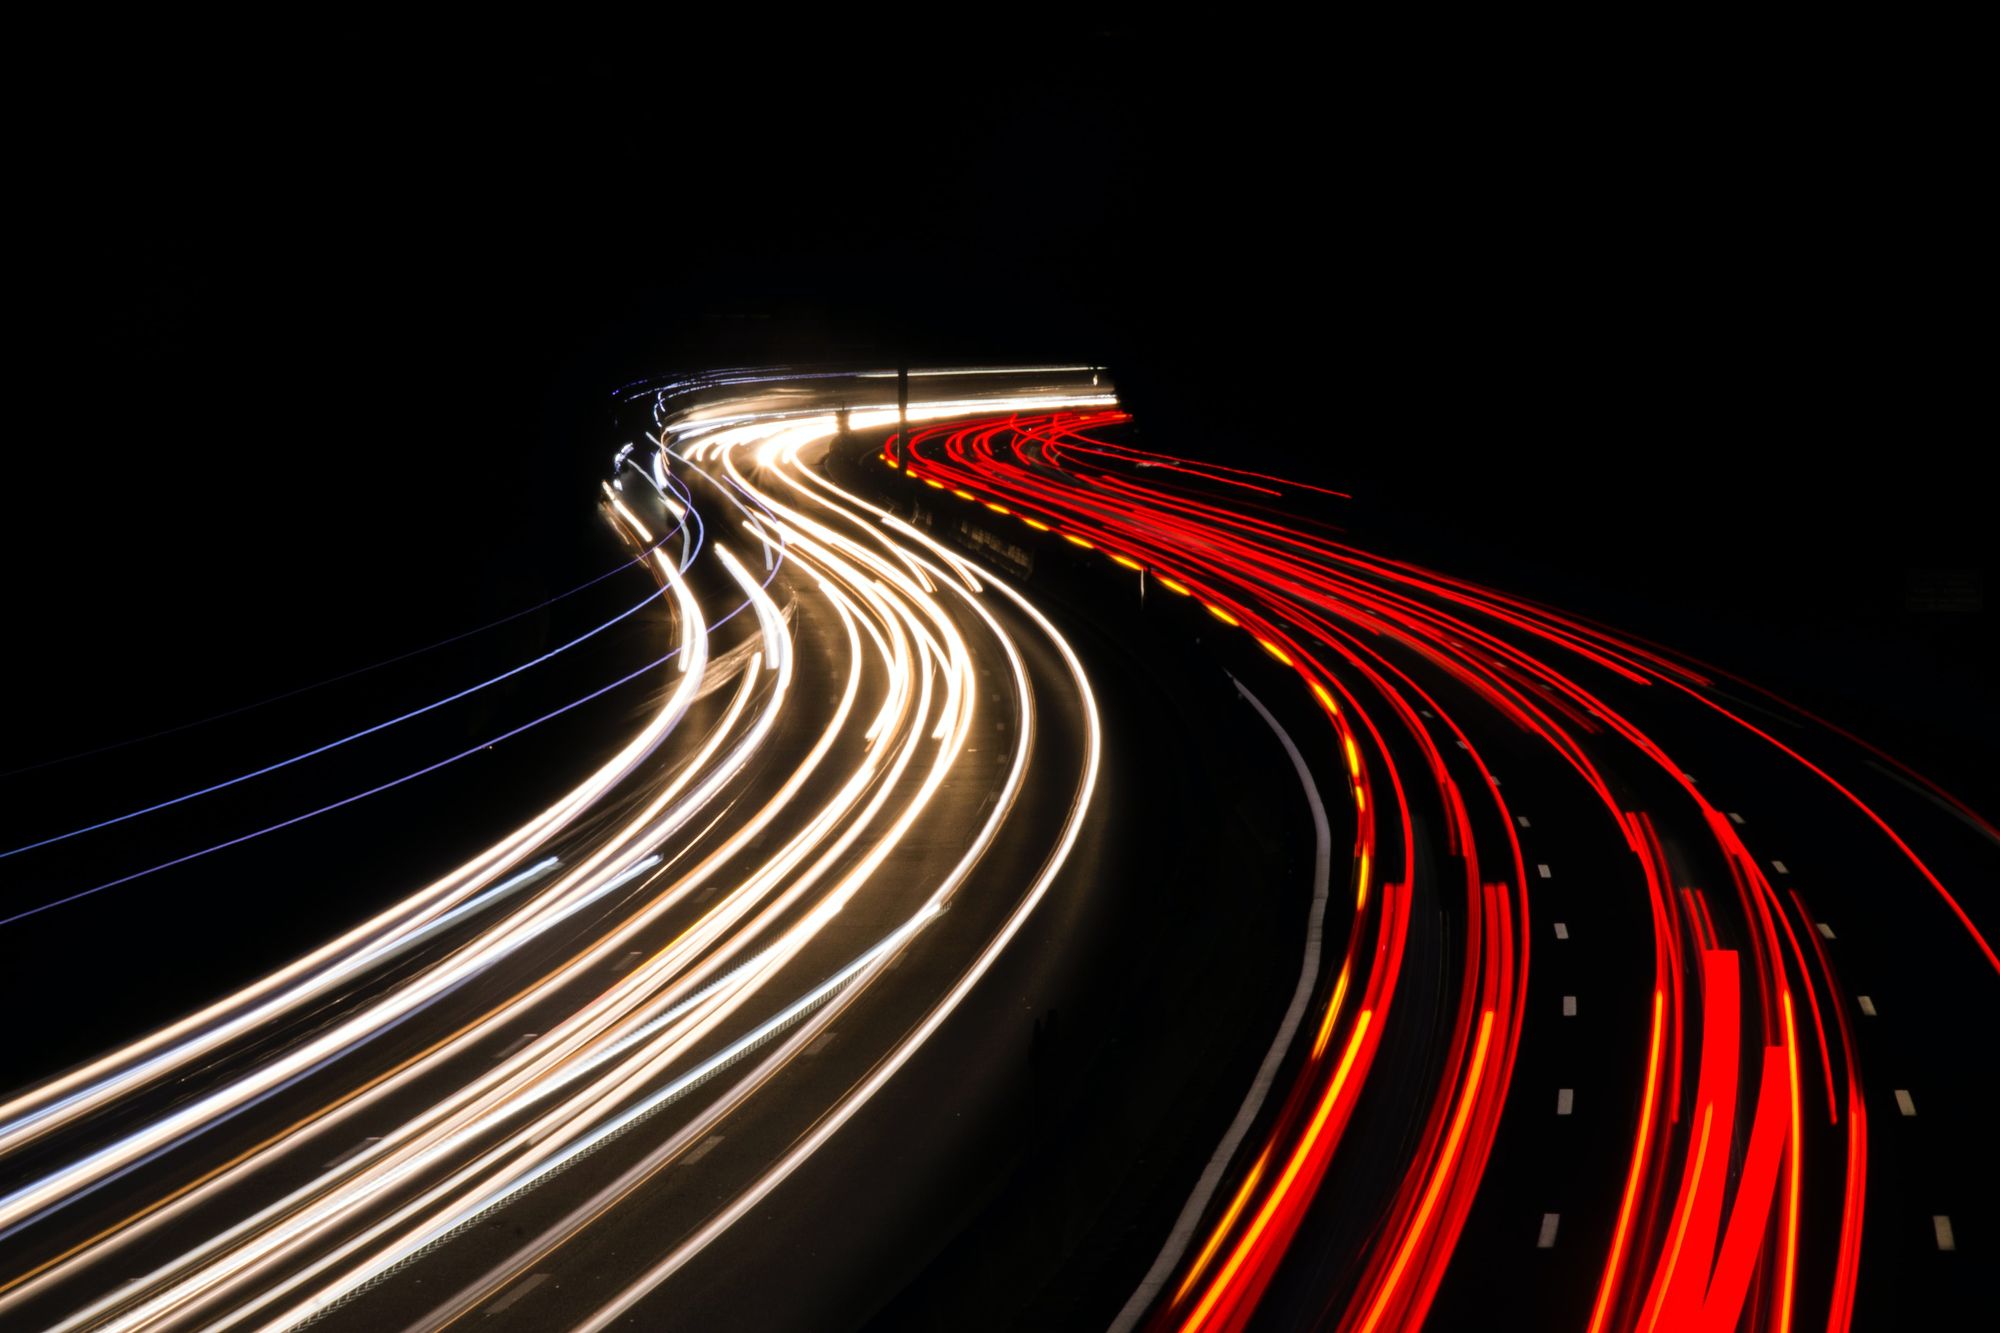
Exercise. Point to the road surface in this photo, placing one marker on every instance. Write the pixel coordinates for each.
(1422, 948)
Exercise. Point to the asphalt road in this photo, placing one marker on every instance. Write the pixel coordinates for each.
(784, 887)
(906, 916)
(1628, 946)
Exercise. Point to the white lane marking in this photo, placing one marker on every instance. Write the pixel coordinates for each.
(1867, 1006)
(1690, 777)
(1903, 1102)
(1523, 819)
(1182, 1235)
(1542, 870)
(626, 961)
(1735, 818)
(352, 1153)
(1427, 713)
(1779, 866)
(1462, 745)
(521, 1289)
(1825, 930)
(1547, 1240)
(1942, 1225)
(820, 1043)
(1565, 1099)
(1562, 931)
(514, 1045)
(1569, 1006)
(701, 1150)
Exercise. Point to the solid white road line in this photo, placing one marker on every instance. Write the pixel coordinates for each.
(1182, 1235)
(1547, 1240)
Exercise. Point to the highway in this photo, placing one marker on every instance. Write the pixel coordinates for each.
(1370, 948)
(709, 953)
(1606, 1030)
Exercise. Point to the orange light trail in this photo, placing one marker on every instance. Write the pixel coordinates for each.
(1438, 1176)
(1292, 1168)
(1788, 1274)
(1680, 1225)
(1222, 1227)
(1608, 1282)
(1332, 1013)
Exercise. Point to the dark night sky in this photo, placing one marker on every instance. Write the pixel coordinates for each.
(312, 351)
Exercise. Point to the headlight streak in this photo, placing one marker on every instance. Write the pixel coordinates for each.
(556, 1097)
(861, 872)
(91, 1173)
(301, 757)
(737, 965)
(638, 560)
(888, 1066)
(576, 966)
(529, 1062)
(674, 655)
(26, 1115)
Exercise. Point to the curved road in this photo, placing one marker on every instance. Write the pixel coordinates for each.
(1537, 969)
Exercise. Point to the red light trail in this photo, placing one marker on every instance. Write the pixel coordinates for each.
(1707, 1229)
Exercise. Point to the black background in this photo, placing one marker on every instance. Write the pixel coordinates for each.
(1684, 330)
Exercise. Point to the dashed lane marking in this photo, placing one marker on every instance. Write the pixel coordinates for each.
(702, 1149)
(521, 1289)
(515, 1045)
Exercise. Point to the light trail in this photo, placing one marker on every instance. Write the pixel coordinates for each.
(1354, 628)
(818, 790)
(744, 969)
